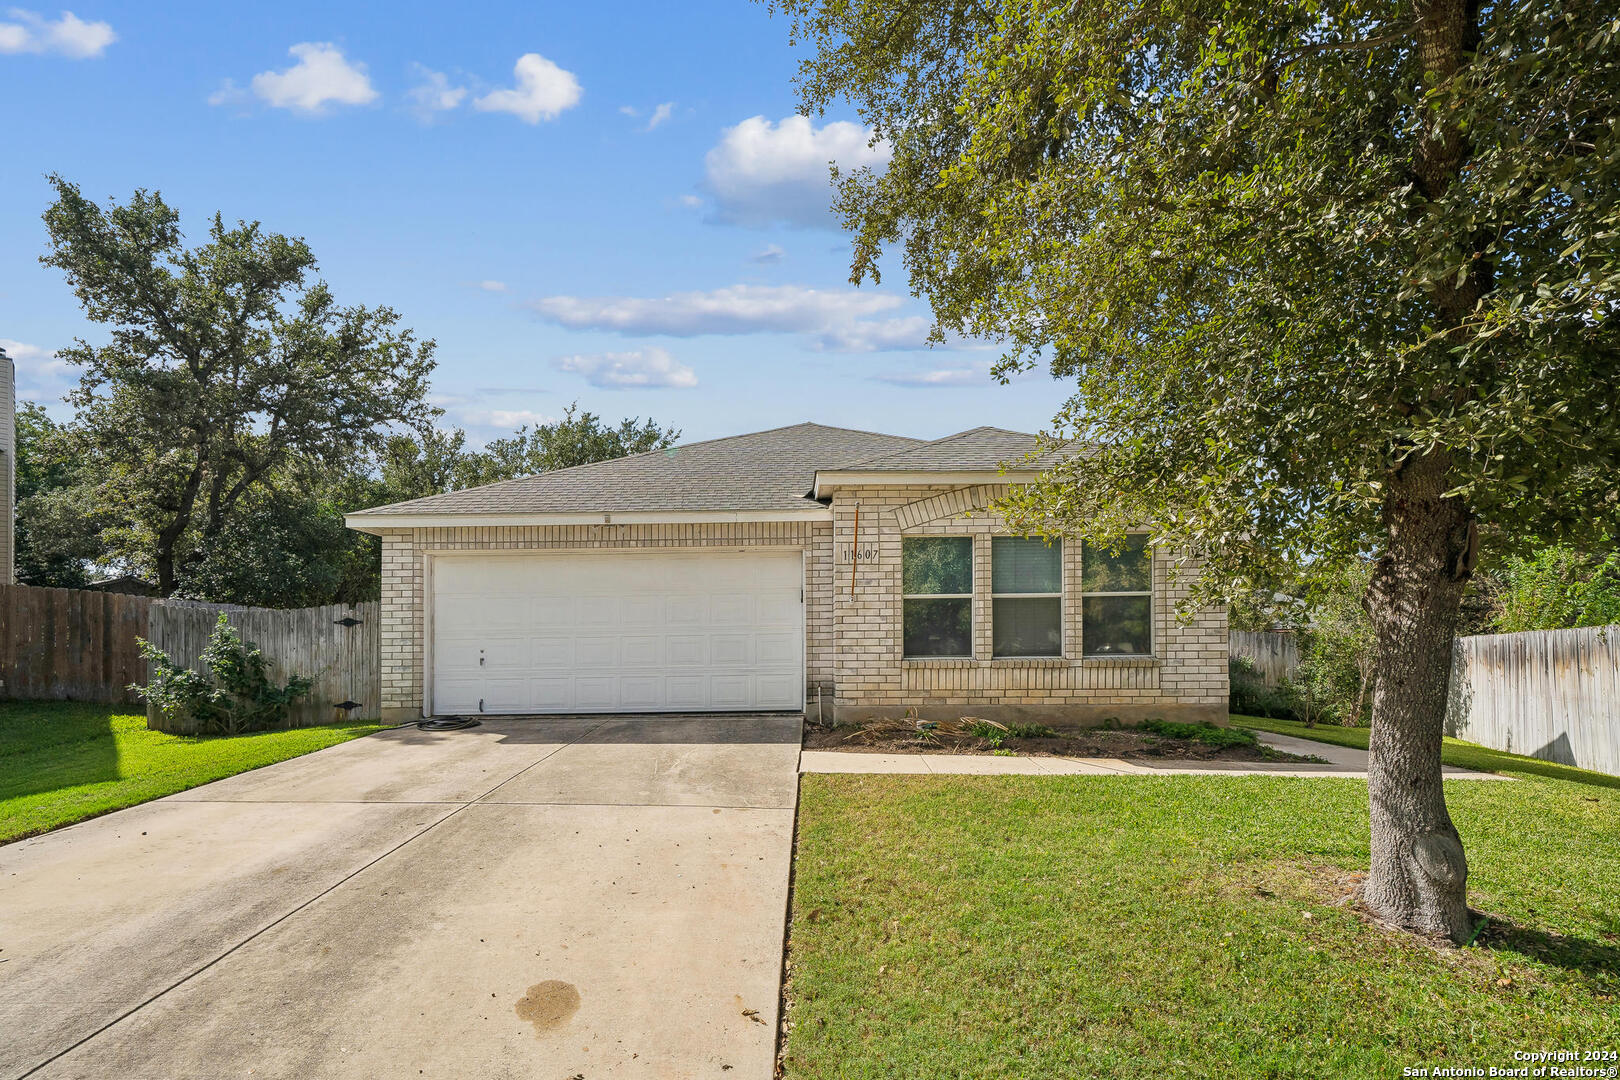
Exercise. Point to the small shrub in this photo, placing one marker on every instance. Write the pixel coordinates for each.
(236, 696)
(1250, 696)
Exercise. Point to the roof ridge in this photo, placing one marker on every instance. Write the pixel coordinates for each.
(874, 459)
(647, 453)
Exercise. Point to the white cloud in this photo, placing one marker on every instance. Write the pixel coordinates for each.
(734, 309)
(68, 36)
(770, 253)
(490, 286)
(660, 113)
(640, 369)
(691, 202)
(40, 375)
(513, 418)
(228, 94)
(846, 320)
(433, 93)
(939, 377)
(321, 77)
(656, 116)
(761, 173)
(543, 91)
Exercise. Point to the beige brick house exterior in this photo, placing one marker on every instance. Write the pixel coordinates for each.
(853, 660)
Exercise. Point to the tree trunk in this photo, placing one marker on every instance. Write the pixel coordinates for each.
(1419, 874)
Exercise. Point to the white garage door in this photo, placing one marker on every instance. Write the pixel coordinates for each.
(618, 632)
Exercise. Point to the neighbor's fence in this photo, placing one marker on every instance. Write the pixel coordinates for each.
(1274, 653)
(70, 644)
(1552, 694)
(336, 645)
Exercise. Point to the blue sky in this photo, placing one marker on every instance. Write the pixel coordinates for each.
(609, 203)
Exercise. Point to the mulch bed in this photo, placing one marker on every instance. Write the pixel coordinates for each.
(1085, 742)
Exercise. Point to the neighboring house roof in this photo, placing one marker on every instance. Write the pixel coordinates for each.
(763, 471)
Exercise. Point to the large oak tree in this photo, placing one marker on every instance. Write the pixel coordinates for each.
(225, 363)
(1329, 279)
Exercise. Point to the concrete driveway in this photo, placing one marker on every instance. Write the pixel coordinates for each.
(546, 898)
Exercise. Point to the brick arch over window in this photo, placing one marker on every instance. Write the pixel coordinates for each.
(954, 503)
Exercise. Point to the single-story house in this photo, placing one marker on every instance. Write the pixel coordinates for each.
(844, 573)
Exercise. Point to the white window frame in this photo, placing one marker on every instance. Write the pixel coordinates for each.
(1153, 628)
(994, 596)
(968, 596)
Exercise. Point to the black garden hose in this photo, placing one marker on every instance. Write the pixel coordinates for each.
(442, 723)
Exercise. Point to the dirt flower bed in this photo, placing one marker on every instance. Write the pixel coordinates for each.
(1151, 739)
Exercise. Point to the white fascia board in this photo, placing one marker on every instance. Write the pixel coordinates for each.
(376, 523)
(825, 481)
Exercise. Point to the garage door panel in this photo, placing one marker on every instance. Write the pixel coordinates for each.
(551, 652)
(777, 692)
(780, 648)
(641, 651)
(456, 695)
(733, 609)
(643, 611)
(551, 695)
(686, 611)
(731, 691)
(779, 609)
(551, 612)
(596, 692)
(686, 691)
(641, 691)
(596, 652)
(687, 650)
(599, 632)
(729, 650)
(505, 695)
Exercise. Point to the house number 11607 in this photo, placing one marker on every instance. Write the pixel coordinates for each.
(862, 552)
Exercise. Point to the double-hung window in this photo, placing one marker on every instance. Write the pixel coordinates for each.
(936, 575)
(1116, 610)
(1026, 602)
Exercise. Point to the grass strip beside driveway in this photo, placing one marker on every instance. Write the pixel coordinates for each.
(65, 761)
(1027, 926)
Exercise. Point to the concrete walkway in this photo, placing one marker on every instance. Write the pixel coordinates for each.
(530, 898)
(1342, 761)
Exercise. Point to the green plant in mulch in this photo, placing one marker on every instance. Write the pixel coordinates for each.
(1203, 731)
(236, 696)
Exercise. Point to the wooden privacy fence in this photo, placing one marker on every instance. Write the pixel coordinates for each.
(1552, 694)
(70, 644)
(79, 645)
(336, 645)
(1274, 653)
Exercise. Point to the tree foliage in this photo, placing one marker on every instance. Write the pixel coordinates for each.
(224, 362)
(56, 533)
(577, 438)
(1558, 587)
(1329, 281)
(1214, 218)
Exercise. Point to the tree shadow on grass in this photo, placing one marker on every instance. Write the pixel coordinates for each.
(50, 745)
(1581, 955)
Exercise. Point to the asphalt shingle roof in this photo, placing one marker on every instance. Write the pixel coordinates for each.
(765, 470)
(978, 449)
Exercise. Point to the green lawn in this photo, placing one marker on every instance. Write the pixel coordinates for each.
(1464, 755)
(1185, 926)
(64, 761)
